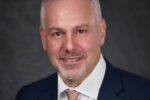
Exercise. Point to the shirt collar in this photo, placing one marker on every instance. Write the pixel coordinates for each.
(91, 85)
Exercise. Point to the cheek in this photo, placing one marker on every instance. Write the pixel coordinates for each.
(91, 45)
(52, 48)
(53, 52)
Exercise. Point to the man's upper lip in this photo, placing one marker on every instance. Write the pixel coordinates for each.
(74, 57)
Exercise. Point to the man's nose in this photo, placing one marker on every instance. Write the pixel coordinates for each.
(69, 43)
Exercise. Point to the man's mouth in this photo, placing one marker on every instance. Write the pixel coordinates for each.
(74, 59)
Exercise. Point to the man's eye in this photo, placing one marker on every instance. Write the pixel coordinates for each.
(56, 34)
(80, 31)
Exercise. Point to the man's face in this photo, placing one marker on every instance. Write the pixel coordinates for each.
(72, 38)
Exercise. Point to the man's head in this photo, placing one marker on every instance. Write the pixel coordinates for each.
(72, 33)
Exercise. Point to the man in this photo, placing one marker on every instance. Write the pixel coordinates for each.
(72, 34)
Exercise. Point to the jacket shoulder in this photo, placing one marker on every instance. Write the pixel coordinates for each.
(31, 91)
(134, 86)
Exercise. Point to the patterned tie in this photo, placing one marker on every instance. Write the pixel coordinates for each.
(72, 94)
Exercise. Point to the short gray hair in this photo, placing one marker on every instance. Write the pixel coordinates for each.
(95, 4)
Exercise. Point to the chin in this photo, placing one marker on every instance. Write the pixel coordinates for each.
(72, 75)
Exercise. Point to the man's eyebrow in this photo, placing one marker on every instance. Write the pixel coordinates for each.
(59, 29)
(54, 29)
(81, 26)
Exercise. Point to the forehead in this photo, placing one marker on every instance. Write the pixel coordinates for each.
(68, 4)
(53, 1)
(68, 12)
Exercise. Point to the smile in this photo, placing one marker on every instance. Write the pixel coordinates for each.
(71, 59)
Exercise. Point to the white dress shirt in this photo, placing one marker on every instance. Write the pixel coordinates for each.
(90, 87)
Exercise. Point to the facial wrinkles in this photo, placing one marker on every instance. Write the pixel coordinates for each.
(67, 20)
(61, 15)
(63, 22)
(56, 2)
(71, 55)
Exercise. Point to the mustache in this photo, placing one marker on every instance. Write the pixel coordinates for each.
(73, 53)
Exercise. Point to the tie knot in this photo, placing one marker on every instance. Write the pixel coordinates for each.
(72, 94)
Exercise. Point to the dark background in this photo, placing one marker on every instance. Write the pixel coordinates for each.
(23, 61)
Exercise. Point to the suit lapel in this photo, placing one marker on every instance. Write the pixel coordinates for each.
(112, 84)
(50, 93)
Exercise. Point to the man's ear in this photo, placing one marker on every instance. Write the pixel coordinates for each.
(43, 37)
(102, 31)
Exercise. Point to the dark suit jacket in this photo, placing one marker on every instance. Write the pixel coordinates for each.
(117, 85)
